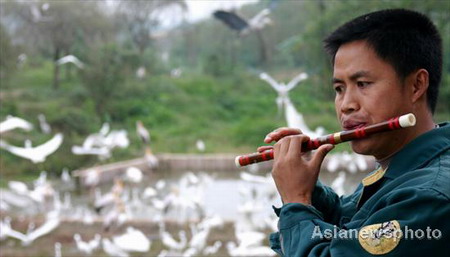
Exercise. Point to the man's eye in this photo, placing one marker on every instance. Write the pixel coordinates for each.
(363, 83)
(338, 89)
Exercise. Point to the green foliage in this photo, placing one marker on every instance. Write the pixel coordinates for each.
(103, 76)
(8, 57)
(218, 98)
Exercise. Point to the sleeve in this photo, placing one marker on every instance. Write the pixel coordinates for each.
(409, 222)
(327, 202)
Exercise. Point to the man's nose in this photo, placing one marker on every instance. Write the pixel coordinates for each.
(350, 102)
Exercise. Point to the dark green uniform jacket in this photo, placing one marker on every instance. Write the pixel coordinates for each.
(403, 211)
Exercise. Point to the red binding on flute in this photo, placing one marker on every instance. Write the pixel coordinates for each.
(404, 121)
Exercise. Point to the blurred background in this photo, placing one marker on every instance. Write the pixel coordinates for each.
(120, 120)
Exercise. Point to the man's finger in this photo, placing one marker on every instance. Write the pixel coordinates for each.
(320, 154)
(278, 134)
(264, 148)
(295, 146)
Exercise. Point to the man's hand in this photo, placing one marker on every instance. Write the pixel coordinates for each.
(295, 172)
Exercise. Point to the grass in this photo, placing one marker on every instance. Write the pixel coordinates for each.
(231, 114)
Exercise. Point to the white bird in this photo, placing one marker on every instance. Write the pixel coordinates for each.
(212, 222)
(349, 162)
(116, 138)
(35, 154)
(58, 252)
(45, 127)
(250, 238)
(18, 187)
(65, 176)
(110, 198)
(4, 206)
(198, 240)
(113, 250)
(255, 178)
(12, 122)
(87, 247)
(294, 119)
(133, 175)
(152, 160)
(142, 132)
(149, 192)
(176, 73)
(70, 59)
(338, 183)
(140, 72)
(104, 130)
(36, 13)
(333, 162)
(213, 249)
(160, 184)
(102, 143)
(132, 240)
(92, 177)
(101, 152)
(234, 250)
(7, 231)
(41, 180)
(234, 22)
(9, 199)
(281, 88)
(360, 162)
(170, 242)
(50, 224)
(21, 59)
(200, 145)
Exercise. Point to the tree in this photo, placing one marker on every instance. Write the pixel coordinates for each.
(58, 25)
(8, 57)
(103, 76)
(142, 18)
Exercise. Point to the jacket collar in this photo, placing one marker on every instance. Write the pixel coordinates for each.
(420, 150)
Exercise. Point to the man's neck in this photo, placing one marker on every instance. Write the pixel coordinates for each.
(384, 163)
(423, 125)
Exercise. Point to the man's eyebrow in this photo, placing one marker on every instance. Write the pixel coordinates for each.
(336, 80)
(359, 74)
(353, 77)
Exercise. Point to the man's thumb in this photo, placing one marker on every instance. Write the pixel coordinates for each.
(320, 154)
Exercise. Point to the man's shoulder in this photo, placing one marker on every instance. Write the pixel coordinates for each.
(435, 176)
(441, 181)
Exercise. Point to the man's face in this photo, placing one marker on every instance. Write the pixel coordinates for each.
(368, 91)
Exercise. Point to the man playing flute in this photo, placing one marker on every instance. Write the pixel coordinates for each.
(385, 64)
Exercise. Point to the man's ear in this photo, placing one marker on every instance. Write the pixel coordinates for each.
(420, 81)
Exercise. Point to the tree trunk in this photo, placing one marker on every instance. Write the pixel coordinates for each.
(56, 69)
(263, 51)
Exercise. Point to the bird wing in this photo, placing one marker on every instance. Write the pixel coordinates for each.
(50, 146)
(15, 122)
(143, 133)
(46, 228)
(232, 20)
(259, 17)
(19, 151)
(296, 80)
(70, 58)
(35, 154)
(266, 77)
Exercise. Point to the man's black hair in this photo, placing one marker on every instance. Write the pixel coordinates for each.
(406, 39)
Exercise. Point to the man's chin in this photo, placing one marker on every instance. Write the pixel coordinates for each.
(361, 147)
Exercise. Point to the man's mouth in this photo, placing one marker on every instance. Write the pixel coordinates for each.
(350, 125)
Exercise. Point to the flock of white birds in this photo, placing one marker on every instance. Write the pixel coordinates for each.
(132, 197)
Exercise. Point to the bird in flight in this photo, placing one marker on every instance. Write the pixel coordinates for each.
(243, 26)
(35, 154)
